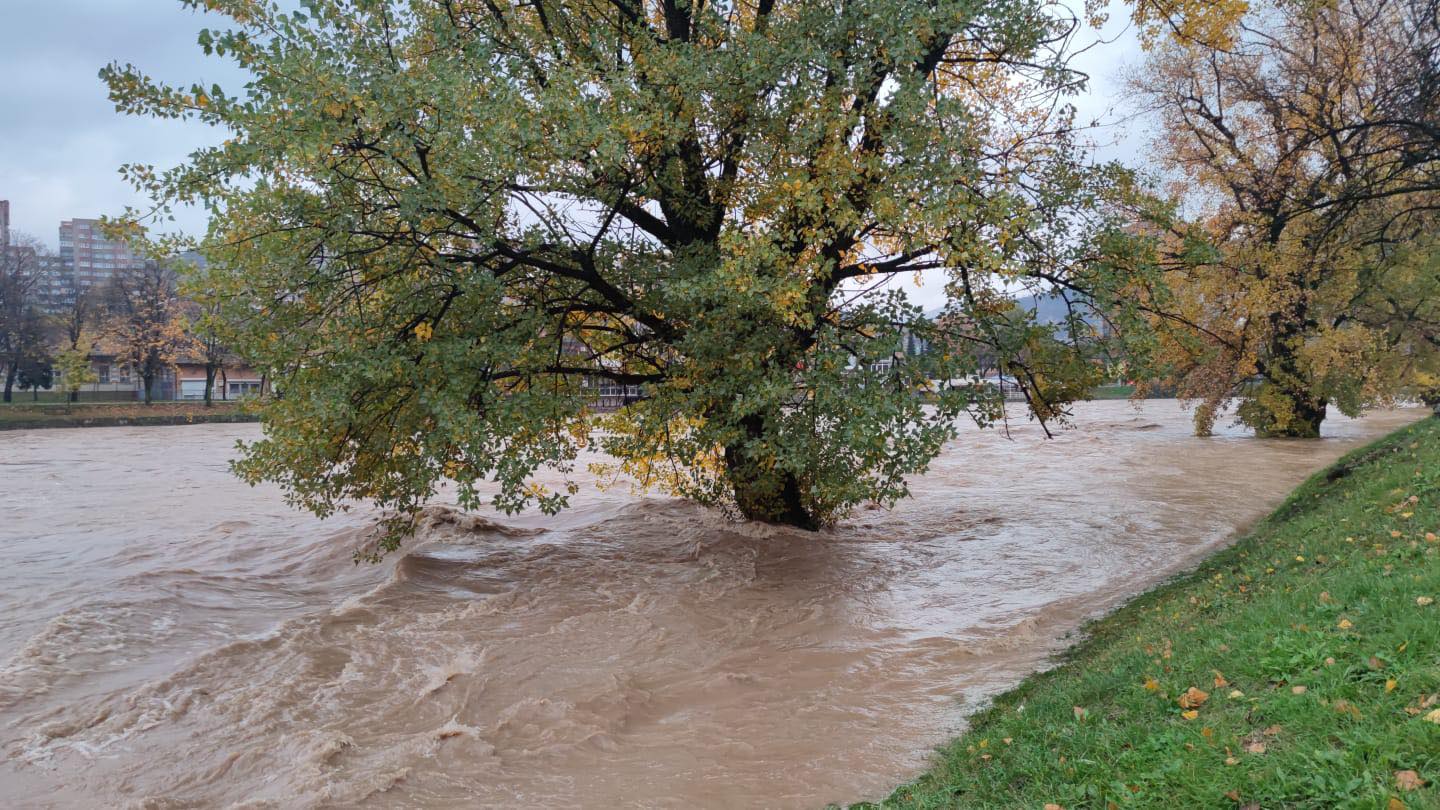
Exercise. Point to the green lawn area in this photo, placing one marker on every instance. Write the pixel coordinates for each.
(1112, 392)
(23, 414)
(1298, 669)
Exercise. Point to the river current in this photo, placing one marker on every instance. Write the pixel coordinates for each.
(170, 637)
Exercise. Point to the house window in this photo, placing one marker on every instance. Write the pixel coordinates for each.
(104, 372)
(244, 389)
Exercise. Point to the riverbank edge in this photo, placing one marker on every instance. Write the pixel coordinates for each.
(48, 422)
(1297, 667)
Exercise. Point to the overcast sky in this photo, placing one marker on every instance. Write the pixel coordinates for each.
(61, 141)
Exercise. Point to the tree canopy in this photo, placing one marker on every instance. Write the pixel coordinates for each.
(439, 225)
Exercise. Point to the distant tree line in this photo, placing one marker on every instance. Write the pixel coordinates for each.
(139, 317)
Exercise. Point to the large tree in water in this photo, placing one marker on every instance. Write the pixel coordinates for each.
(439, 225)
(1305, 151)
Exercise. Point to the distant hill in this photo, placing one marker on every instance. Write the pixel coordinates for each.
(1048, 309)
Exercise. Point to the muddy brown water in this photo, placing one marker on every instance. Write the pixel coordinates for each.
(170, 637)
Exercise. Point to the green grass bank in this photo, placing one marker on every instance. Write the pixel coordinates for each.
(1299, 668)
(29, 416)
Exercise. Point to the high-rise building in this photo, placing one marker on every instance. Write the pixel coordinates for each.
(92, 258)
(55, 284)
(4, 223)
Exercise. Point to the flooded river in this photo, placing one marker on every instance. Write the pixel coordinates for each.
(170, 637)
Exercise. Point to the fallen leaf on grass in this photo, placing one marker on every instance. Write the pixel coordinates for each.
(1345, 624)
(1298, 690)
(1408, 780)
(1346, 707)
(1433, 717)
(1390, 685)
(1192, 714)
(1151, 685)
(1220, 679)
(1193, 698)
(1424, 601)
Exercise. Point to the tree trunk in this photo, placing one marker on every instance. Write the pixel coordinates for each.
(1307, 414)
(10, 373)
(1287, 381)
(209, 384)
(763, 493)
(148, 380)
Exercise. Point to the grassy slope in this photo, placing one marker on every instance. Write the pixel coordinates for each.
(1322, 669)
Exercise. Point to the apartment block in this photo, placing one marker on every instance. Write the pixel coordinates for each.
(92, 259)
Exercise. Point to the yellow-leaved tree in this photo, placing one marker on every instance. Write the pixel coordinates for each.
(1299, 250)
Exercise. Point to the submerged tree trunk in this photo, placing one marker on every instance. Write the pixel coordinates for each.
(1287, 406)
(1299, 417)
(763, 493)
(1309, 413)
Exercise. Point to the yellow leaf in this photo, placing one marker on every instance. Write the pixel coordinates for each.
(1424, 601)
(1433, 717)
(1151, 685)
(1190, 715)
(1236, 693)
(1345, 624)
(1220, 679)
(1389, 685)
(1193, 698)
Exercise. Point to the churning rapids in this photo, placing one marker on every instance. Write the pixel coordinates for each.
(170, 637)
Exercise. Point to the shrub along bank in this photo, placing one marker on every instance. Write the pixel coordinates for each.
(1298, 669)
